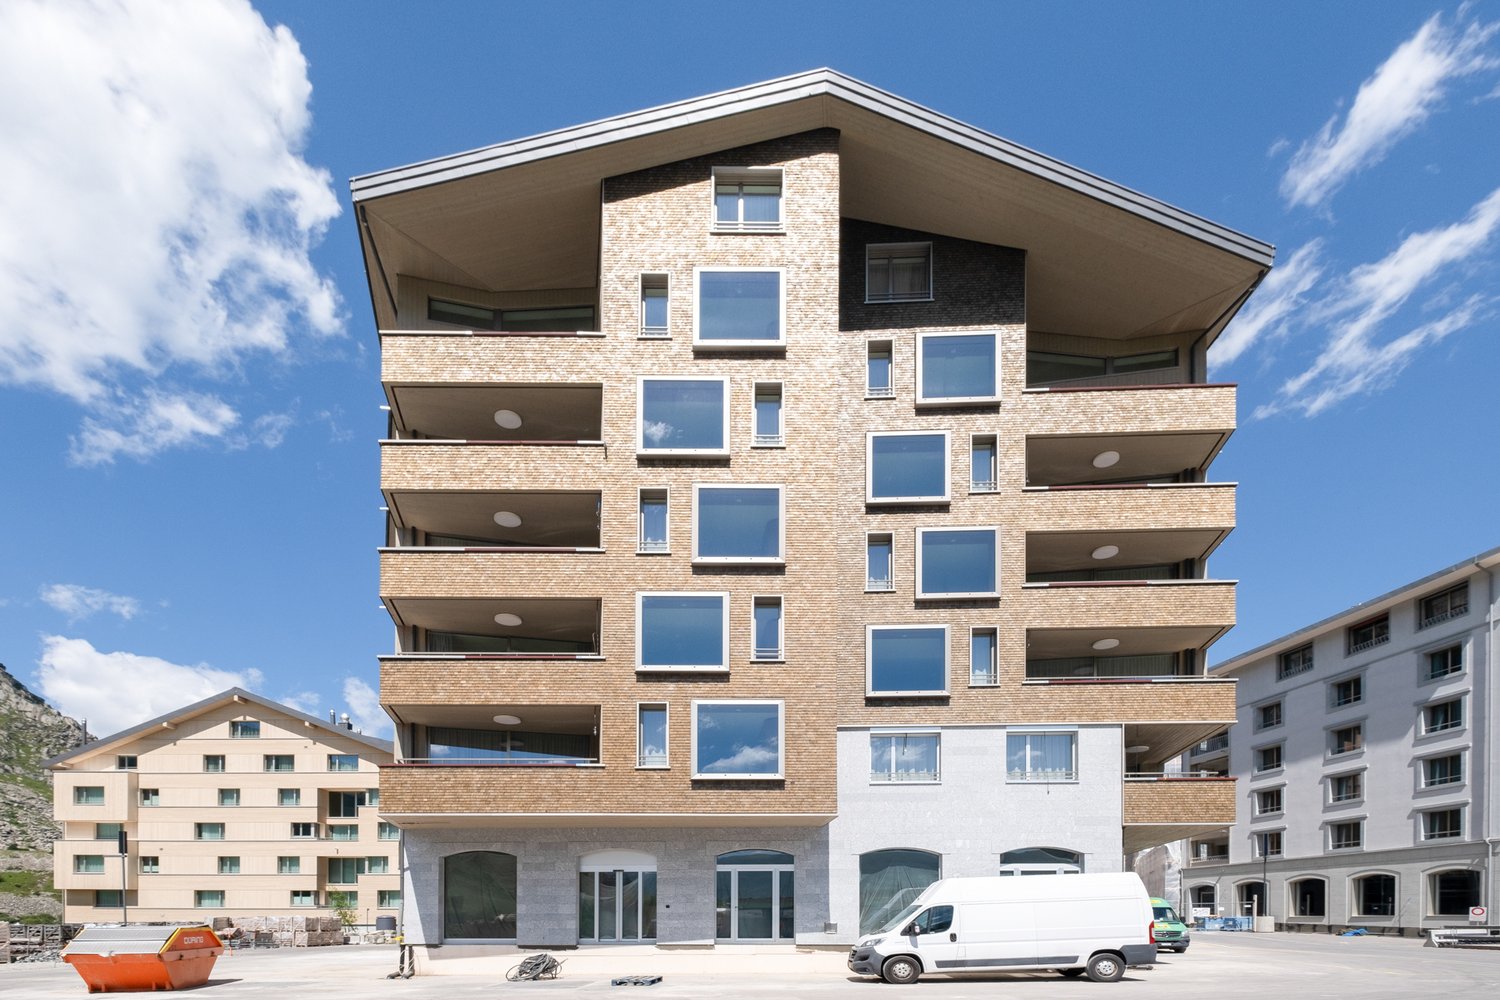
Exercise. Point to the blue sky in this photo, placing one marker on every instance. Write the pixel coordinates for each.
(188, 369)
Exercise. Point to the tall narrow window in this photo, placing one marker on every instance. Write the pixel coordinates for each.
(878, 370)
(654, 305)
(651, 736)
(653, 522)
(983, 668)
(983, 464)
(747, 199)
(767, 627)
(878, 562)
(768, 428)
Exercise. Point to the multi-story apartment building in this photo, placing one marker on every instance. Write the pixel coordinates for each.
(1367, 765)
(234, 806)
(793, 494)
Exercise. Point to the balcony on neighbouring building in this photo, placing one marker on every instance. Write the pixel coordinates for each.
(1208, 850)
(494, 520)
(500, 735)
(496, 627)
(1161, 807)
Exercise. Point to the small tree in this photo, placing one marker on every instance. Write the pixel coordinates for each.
(343, 908)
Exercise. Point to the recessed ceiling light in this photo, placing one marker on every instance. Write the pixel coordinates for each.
(1102, 644)
(1106, 552)
(1138, 748)
(1103, 460)
(508, 720)
(508, 619)
(509, 419)
(506, 519)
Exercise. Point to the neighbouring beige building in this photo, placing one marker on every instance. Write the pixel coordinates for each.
(232, 807)
(795, 495)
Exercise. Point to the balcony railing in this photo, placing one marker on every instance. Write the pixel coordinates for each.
(1360, 647)
(880, 392)
(652, 545)
(1441, 616)
(983, 486)
(766, 653)
(768, 440)
(879, 583)
(534, 760)
(1212, 745)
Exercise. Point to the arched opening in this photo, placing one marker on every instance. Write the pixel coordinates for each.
(1309, 898)
(1252, 899)
(616, 897)
(1375, 895)
(755, 896)
(890, 880)
(1041, 861)
(1450, 893)
(479, 896)
(1204, 897)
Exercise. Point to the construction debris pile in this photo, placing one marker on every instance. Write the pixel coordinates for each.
(279, 932)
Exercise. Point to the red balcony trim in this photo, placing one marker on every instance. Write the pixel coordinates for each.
(1132, 388)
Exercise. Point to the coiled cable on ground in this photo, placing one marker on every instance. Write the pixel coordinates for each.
(534, 967)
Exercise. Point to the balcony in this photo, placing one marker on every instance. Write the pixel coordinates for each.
(498, 736)
(495, 520)
(1119, 458)
(1105, 609)
(513, 413)
(1208, 851)
(1163, 807)
(1122, 555)
(524, 628)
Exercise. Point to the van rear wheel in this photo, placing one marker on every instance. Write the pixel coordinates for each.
(1106, 968)
(901, 969)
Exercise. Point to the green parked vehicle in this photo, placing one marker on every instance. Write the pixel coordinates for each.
(1167, 927)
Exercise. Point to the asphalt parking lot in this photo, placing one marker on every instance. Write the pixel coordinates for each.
(1217, 966)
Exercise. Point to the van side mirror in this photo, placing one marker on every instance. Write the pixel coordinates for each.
(911, 929)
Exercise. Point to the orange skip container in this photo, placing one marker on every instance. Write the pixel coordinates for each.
(122, 959)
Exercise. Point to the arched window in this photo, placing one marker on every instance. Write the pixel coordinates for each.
(1203, 896)
(889, 881)
(1375, 896)
(1041, 861)
(1252, 899)
(1451, 893)
(479, 896)
(1309, 897)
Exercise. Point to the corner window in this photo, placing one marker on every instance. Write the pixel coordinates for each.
(229, 796)
(1367, 635)
(735, 523)
(241, 730)
(1442, 716)
(208, 898)
(878, 383)
(651, 736)
(343, 762)
(739, 307)
(680, 415)
(1346, 787)
(88, 795)
(984, 668)
(682, 631)
(958, 563)
(904, 757)
(208, 831)
(279, 762)
(1349, 691)
(766, 626)
(768, 427)
(1041, 756)
(1268, 758)
(346, 805)
(1445, 770)
(906, 467)
(984, 471)
(878, 562)
(1442, 606)
(906, 660)
(1345, 836)
(652, 535)
(1346, 739)
(747, 199)
(955, 369)
(1294, 661)
(1445, 661)
(898, 272)
(1268, 716)
(654, 301)
(738, 739)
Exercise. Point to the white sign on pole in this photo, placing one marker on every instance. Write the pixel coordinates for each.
(1477, 914)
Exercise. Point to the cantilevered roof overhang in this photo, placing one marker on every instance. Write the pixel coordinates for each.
(1102, 260)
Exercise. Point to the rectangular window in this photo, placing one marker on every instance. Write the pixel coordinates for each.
(378, 866)
(652, 539)
(682, 631)
(906, 467)
(682, 415)
(1349, 691)
(904, 757)
(550, 319)
(213, 763)
(1268, 758)
(1294, 661)
(244, 730)
(958, 563)
(343, 762)
(150, 864)
(878, 562)
(304, 897)
(288, 796)
(1041, 756)
(957, 369)
(345, 871)
(747, 199)
(1268, 802)
(279, 762)
(1346, 787)
(1445, 661)
(208, 898)
(738, 739)
(905, 660)
(898, 272)
(372, 797)
(126, 762)
(1268, 844)
(88, 864)
(388, 899)
(768, 427)
(345, 805)
(1445, 770)
(984, 667)
(109, 898)
(1346, 739)
(304, 831)
(878, 383)
(767, 626)
(654, 305)
(1442, 716)
(1052, 368)
(1367, 635)
(343, 831)
(1440, 824)
(1442, 606)
(387, 831)
(739, 307)
(150, 796)
(229, 796)
(1345, 836)
(88, 795)
(288, 865)
(229, 866)
(208, 831)
(984, 470)
(735, 523)
(1268, 716)
(108, 831)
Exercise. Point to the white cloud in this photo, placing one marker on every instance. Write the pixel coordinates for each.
(115, 691)
(656, 431)
(306, 702)
(1391, 104)
(159, 214)
(364, 709)
(1279, 298)
(744, 760)
(77, 601)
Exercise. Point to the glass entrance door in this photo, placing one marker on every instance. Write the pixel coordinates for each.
(755, 901)
(616, 906)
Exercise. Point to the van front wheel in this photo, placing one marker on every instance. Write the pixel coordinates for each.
(901, 969)
(1106, 968)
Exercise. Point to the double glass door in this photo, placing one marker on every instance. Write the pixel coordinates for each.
(755, 901)
(616, 906)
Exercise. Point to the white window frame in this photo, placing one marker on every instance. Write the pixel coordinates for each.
(992, 484)
(640, 418)
(707, 668)
(1333, 686)
(1280, 809)
(922, 595)
(1260, 725)
(739, 345)
(1463, 770)
(1460, 726)
(887, 391)
(1255, 758)
(994, 670)
(1425, 837)
(780, 739)
(923, 400)
(642, 547)
(244, 729)
(1331, 749)
(1358, 821)
(890, 581)
(743, 175)
(777, 560)
(1026, 779)
(779, 652)
(883, 732)
(758, 440)
(1427, 676)
(662, 280)
(1259, 842)
(911, 501)
(640, 750)
(889, 250)
(1332, 778)
(870, 691)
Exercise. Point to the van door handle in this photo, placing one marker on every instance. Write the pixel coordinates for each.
(952, 937)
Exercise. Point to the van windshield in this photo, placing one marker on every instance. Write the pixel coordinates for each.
(1165, 913)
(899, 920)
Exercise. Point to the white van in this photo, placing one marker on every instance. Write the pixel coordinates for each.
(1098, 924)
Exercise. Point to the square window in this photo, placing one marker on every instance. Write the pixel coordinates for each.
(768, 427)
(898, 272)
(279, 762)
(747, 199)
(150, 864)
(905, 660)
(304, 897)
(878, 562)
(735, 523)
(126, 762)
(387, 831)
(682, 631)
(343, 762)
(682, 415)
(108, 831)
(1268, 844)
(654, 302)
(229, 796)
(652, 538)
(88, 795)
(1445, 661)
(878, 383)
(651, 736)
(150, 796)
(958, 563)
(1367, 635)
(1268, 716)
(1346, 787)
(288, 865)
(739, 307)
(288, 796)
(208, 898)
(229, 866)
(88, 864)
(304, 831)
(1445, 770)
(738, 739)
(904, 757)
(1349, 691)
(244, 730)
(213, 763)
(1345, 836)
(1346, 739)
(906, 467)
(956, 369)
(1441, 824)
(388, 899)
(766, 625)
(208, 831)
(1294, 661)
(984, 668)
(1443, 716)
(984, 470)
(1268, 758)
(1041, 756)
(1268, 802)
(1440, 607)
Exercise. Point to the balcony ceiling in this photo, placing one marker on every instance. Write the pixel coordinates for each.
(1141, 836)
(563, 519)
(467, 413)
(579, 719)
(1058, 643)
(541, 618)
(1052, 552)
(1102, 260)
(1060, 461)
(1165, 741)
